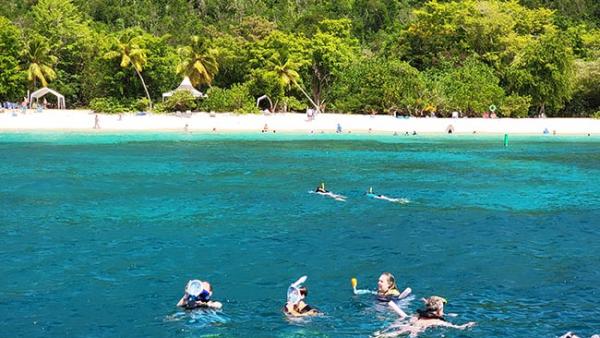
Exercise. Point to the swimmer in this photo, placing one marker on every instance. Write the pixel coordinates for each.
(197, 295)
(321, 188)
(322, 191)
(371, 194)
(431, 316)
(295, 305)
(386, 288)
(386, 198)
(569, 335)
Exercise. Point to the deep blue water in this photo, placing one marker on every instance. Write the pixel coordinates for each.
(99, 233)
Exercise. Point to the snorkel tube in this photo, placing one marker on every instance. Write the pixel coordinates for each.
(354, 283)
(293, 293)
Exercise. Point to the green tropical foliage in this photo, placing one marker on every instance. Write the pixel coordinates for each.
(12, 78)
(132, 52)
(39, 61)
(236, 99)
(357, 56)
(198, 62)
(180, 101)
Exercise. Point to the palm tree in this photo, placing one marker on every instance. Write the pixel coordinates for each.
(37, 55)
(198, 62)
(130, 48)
(287, 74)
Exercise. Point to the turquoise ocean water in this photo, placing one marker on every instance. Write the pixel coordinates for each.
(99, 233)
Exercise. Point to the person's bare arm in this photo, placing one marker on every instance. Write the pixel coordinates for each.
(214, 305)
(398, 310)
(405, 293)
(182, 301)
(460, 327)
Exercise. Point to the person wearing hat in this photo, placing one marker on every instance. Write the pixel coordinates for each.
(197, 295)
(295, 305)
(430, 316)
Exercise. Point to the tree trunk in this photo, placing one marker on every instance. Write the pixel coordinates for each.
(144, 84)
(308, 97)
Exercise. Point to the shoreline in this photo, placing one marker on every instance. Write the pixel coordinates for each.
(290, 123)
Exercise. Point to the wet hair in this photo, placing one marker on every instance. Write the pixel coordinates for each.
(433, 305)
(209, 288)
(391, 279)
(303, 291)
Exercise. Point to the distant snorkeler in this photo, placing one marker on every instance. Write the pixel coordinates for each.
(386, 289)
(321, 188)
(431, 316)
(322, 191)
(295, 305)
(197, 295)
(371, 194)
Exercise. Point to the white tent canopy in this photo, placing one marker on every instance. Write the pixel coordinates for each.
(43, 91)
(186, 84)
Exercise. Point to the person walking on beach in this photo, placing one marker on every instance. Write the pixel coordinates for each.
(96, 122)
(24, 105)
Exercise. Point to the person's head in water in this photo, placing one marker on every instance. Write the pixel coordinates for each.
(198, 294)
(434, 308)
(296, 302)
(303, 293)
(204, 294)
(321, 187)
(386, 284)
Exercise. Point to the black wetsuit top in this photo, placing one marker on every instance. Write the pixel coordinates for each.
(304, 310)
(424, 314)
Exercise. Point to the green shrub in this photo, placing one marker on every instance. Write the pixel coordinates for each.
(291, 103)
(248, 108)
(235, 99)
(596, 115)
(141, 104)
(108, 105)
(515, 106)
(181, 100)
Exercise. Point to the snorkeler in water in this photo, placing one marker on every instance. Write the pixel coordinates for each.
(295, 305)
(370, 192)
(431, 316)
(385, 198)
(321, 188)
(386, 288)
(197, 295)
(324, 192)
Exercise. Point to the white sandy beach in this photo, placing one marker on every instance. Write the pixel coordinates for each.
(83, 120)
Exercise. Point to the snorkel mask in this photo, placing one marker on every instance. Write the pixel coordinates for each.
(196, 290)
(293, 293)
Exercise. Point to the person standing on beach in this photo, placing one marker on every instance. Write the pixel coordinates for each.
(24, 105)
(96, 122)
